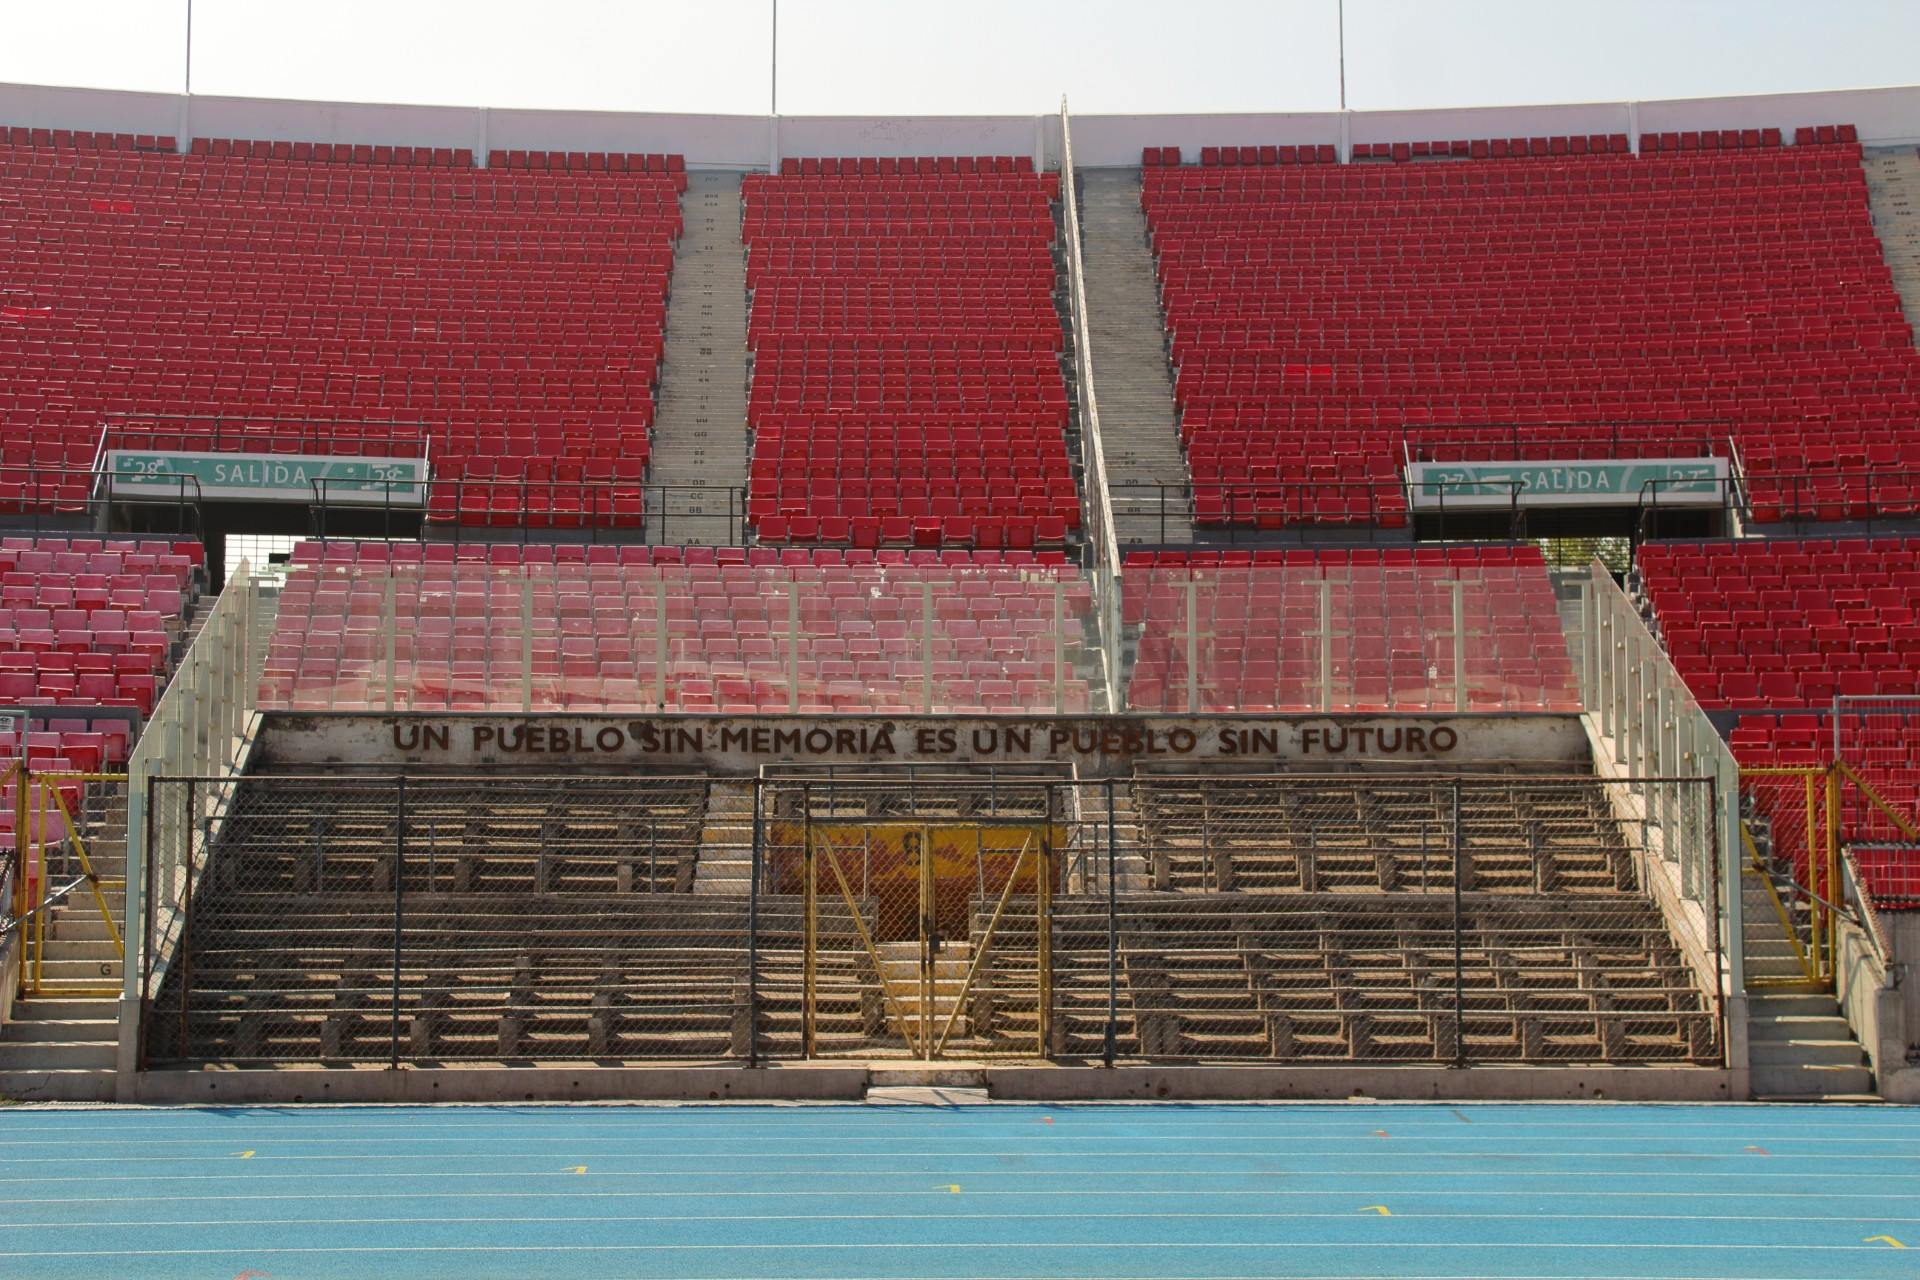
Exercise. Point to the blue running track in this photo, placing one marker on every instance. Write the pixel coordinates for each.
(606, 1193)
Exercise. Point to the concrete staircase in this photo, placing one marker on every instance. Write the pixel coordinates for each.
(1133, 381)
(1798, 1044)
(1893, 191)
(61, 1043)
(725, 865)
(899, 965)
(700, 436)
(1131, 873)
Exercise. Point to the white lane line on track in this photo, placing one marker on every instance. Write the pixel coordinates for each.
(1031, 1245)
(1041, 1146)
(1479, 1176)
(1561, 1197)
(683, 1219)
(1055, 1138)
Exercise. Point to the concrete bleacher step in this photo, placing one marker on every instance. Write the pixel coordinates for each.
(1800, 1045)
(1893, 194)
(700, 431)
(725, 862)
(1133, 381)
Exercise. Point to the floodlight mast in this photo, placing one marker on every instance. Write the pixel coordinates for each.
(1342, 4)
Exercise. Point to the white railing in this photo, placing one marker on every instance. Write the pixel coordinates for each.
(1648, 725)
(199, 729)
(1097, 505)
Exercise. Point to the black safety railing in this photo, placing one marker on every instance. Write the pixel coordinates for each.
(529, 510)
(297, 435)
(36, 497)
(1567, 440)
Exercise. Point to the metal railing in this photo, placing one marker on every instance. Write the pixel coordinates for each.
(1097, 521)
(1647, 724)
(266, 433)
(593, 510)
(53, 498)
(200, 727)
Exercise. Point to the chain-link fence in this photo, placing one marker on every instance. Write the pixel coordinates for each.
(937, 914)
(420, 919)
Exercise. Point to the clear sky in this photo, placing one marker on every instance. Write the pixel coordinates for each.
(873, 57)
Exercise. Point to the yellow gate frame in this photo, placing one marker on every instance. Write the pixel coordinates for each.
(1035, 844)
(1825, 892)
(36, 795)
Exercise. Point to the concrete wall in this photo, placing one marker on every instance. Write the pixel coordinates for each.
(1096, 747)
(753, 141)
(1882, 1003)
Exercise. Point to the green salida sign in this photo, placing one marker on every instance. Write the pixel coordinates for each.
(270, 477)
(1559, 483)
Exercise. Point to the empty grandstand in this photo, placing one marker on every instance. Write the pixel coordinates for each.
(1264, 741)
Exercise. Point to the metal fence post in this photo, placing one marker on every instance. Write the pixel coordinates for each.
(1111, 1034)
(1720, 936)
(1459, 942)
(1460, 699)
(810, 926)
(399, 917)
(753, 932)
(1326, 644)
(793, 645)
(183, 948)
(526, 644)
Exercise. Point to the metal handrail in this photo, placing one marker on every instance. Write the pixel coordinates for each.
(53, 898)
(1103, 544)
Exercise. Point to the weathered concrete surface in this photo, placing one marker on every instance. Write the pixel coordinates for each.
(810, 1082)
(1435, 1084)
(1099, 746)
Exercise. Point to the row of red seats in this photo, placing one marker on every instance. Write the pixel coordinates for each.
(1779, 625)
(1244, 631)
(1500, 148)
(953, 431)
(368, 299)
(85, 139)
(912, 166)
(1284, 288)
(90, 622)
(331, 152)
(1882, 748)
(692, 629)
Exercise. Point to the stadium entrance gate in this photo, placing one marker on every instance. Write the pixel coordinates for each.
(924, 920)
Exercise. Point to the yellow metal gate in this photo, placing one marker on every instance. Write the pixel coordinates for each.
(927, 939)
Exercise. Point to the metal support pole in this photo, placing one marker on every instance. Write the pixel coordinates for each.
(793, 646)
(389, 624)
(753, 933)
(810, 924)
(1108, 1038)
(526, 644)
(1193, 644)
(1460, 700)
(1326, 644)
(1459, 941)
(399, 912)
(1059, 647)
(926, 647)
(660, 643)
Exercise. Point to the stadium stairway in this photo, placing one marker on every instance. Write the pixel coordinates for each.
(725, 861)
(1130, 358)
(700, 432)
(1799, 1046)
(1893, 191)
(61, 1045)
